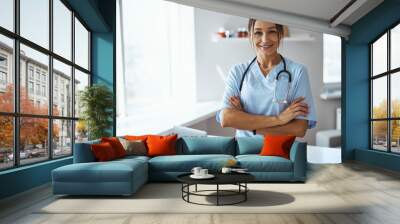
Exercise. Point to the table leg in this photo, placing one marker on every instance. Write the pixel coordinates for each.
(196, 188)
(245, 193)
(188, 190)
(217, 194)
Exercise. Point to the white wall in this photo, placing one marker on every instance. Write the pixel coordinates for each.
(210, 55)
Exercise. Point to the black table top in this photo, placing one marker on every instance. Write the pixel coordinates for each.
(220, 178)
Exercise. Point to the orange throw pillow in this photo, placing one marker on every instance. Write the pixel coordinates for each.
(136, 137)
(116, 145)
(103, 152)
(161, 145)
(277, 145)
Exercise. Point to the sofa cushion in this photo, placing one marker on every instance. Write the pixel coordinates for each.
(111, 171)
(135, 147)
(103, 152)
(185, 163)
(159, 145)
(277, 145)
(116, 145)
(257, 163)
(249, 145)
(206, 145)
(132, 158)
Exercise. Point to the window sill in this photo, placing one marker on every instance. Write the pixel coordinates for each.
(30, 166)
(162, 118)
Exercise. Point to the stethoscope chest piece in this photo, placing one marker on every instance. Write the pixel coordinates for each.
(282, 84)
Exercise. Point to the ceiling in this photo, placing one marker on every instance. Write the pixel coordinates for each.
(315, 15)
(320, 9)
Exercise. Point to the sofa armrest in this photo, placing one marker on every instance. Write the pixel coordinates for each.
(298, 155)
(83, 152)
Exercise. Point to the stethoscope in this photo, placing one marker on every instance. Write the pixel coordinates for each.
(277, 99)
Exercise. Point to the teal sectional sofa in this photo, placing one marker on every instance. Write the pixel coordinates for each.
(125, 176)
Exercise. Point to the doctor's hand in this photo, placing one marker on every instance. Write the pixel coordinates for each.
(297, 108)
(235, 103)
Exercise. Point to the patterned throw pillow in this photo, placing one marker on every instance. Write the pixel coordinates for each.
(134, 147)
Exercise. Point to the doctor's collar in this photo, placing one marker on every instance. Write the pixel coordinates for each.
(272, 73)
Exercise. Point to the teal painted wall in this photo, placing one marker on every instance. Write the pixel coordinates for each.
(102, 63)
(104, 53)
(99, 15)
(355, 105)
(27, 177)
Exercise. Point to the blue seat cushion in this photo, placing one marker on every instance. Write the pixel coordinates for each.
(111, 171)
(185, 163)
(132, 158)
(257, 163)
(249, 145)
(206, 145)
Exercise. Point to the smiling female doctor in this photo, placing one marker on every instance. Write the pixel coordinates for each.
(269, 95)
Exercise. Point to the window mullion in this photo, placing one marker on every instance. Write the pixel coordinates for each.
(389, 106)
(370, 98)
(73, 82)
(16, 84)
(50, 81)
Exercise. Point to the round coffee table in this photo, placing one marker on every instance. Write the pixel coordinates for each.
(238, 179)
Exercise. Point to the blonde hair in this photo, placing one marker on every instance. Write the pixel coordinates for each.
(250, 27)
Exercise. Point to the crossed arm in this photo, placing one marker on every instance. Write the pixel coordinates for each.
(283, 124)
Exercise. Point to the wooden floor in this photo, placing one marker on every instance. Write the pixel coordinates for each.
(378, 188)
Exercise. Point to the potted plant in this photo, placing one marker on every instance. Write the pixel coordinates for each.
(96, 104)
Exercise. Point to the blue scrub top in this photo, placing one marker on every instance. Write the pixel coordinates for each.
(258, 91)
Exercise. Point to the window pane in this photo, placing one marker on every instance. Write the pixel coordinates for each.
(81, 45)
(35, 21)
(395, 47)
(81, 131)
(6, 74)
(6, 142)
(81, 81)
(33, 139)
(379, 97)
(62, 138)
(62, 89)
(395, 94)
(332, 48)
(379, 135)
(379, 55)
(7, 14)
(62, 29)
(34, 97)
(395, 136)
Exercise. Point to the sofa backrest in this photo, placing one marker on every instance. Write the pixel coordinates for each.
(249, 145)
(190, 146)
(206, 145)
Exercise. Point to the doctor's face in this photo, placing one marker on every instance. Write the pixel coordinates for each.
(265, 38)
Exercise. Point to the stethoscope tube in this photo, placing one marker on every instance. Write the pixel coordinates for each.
(277, 77)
